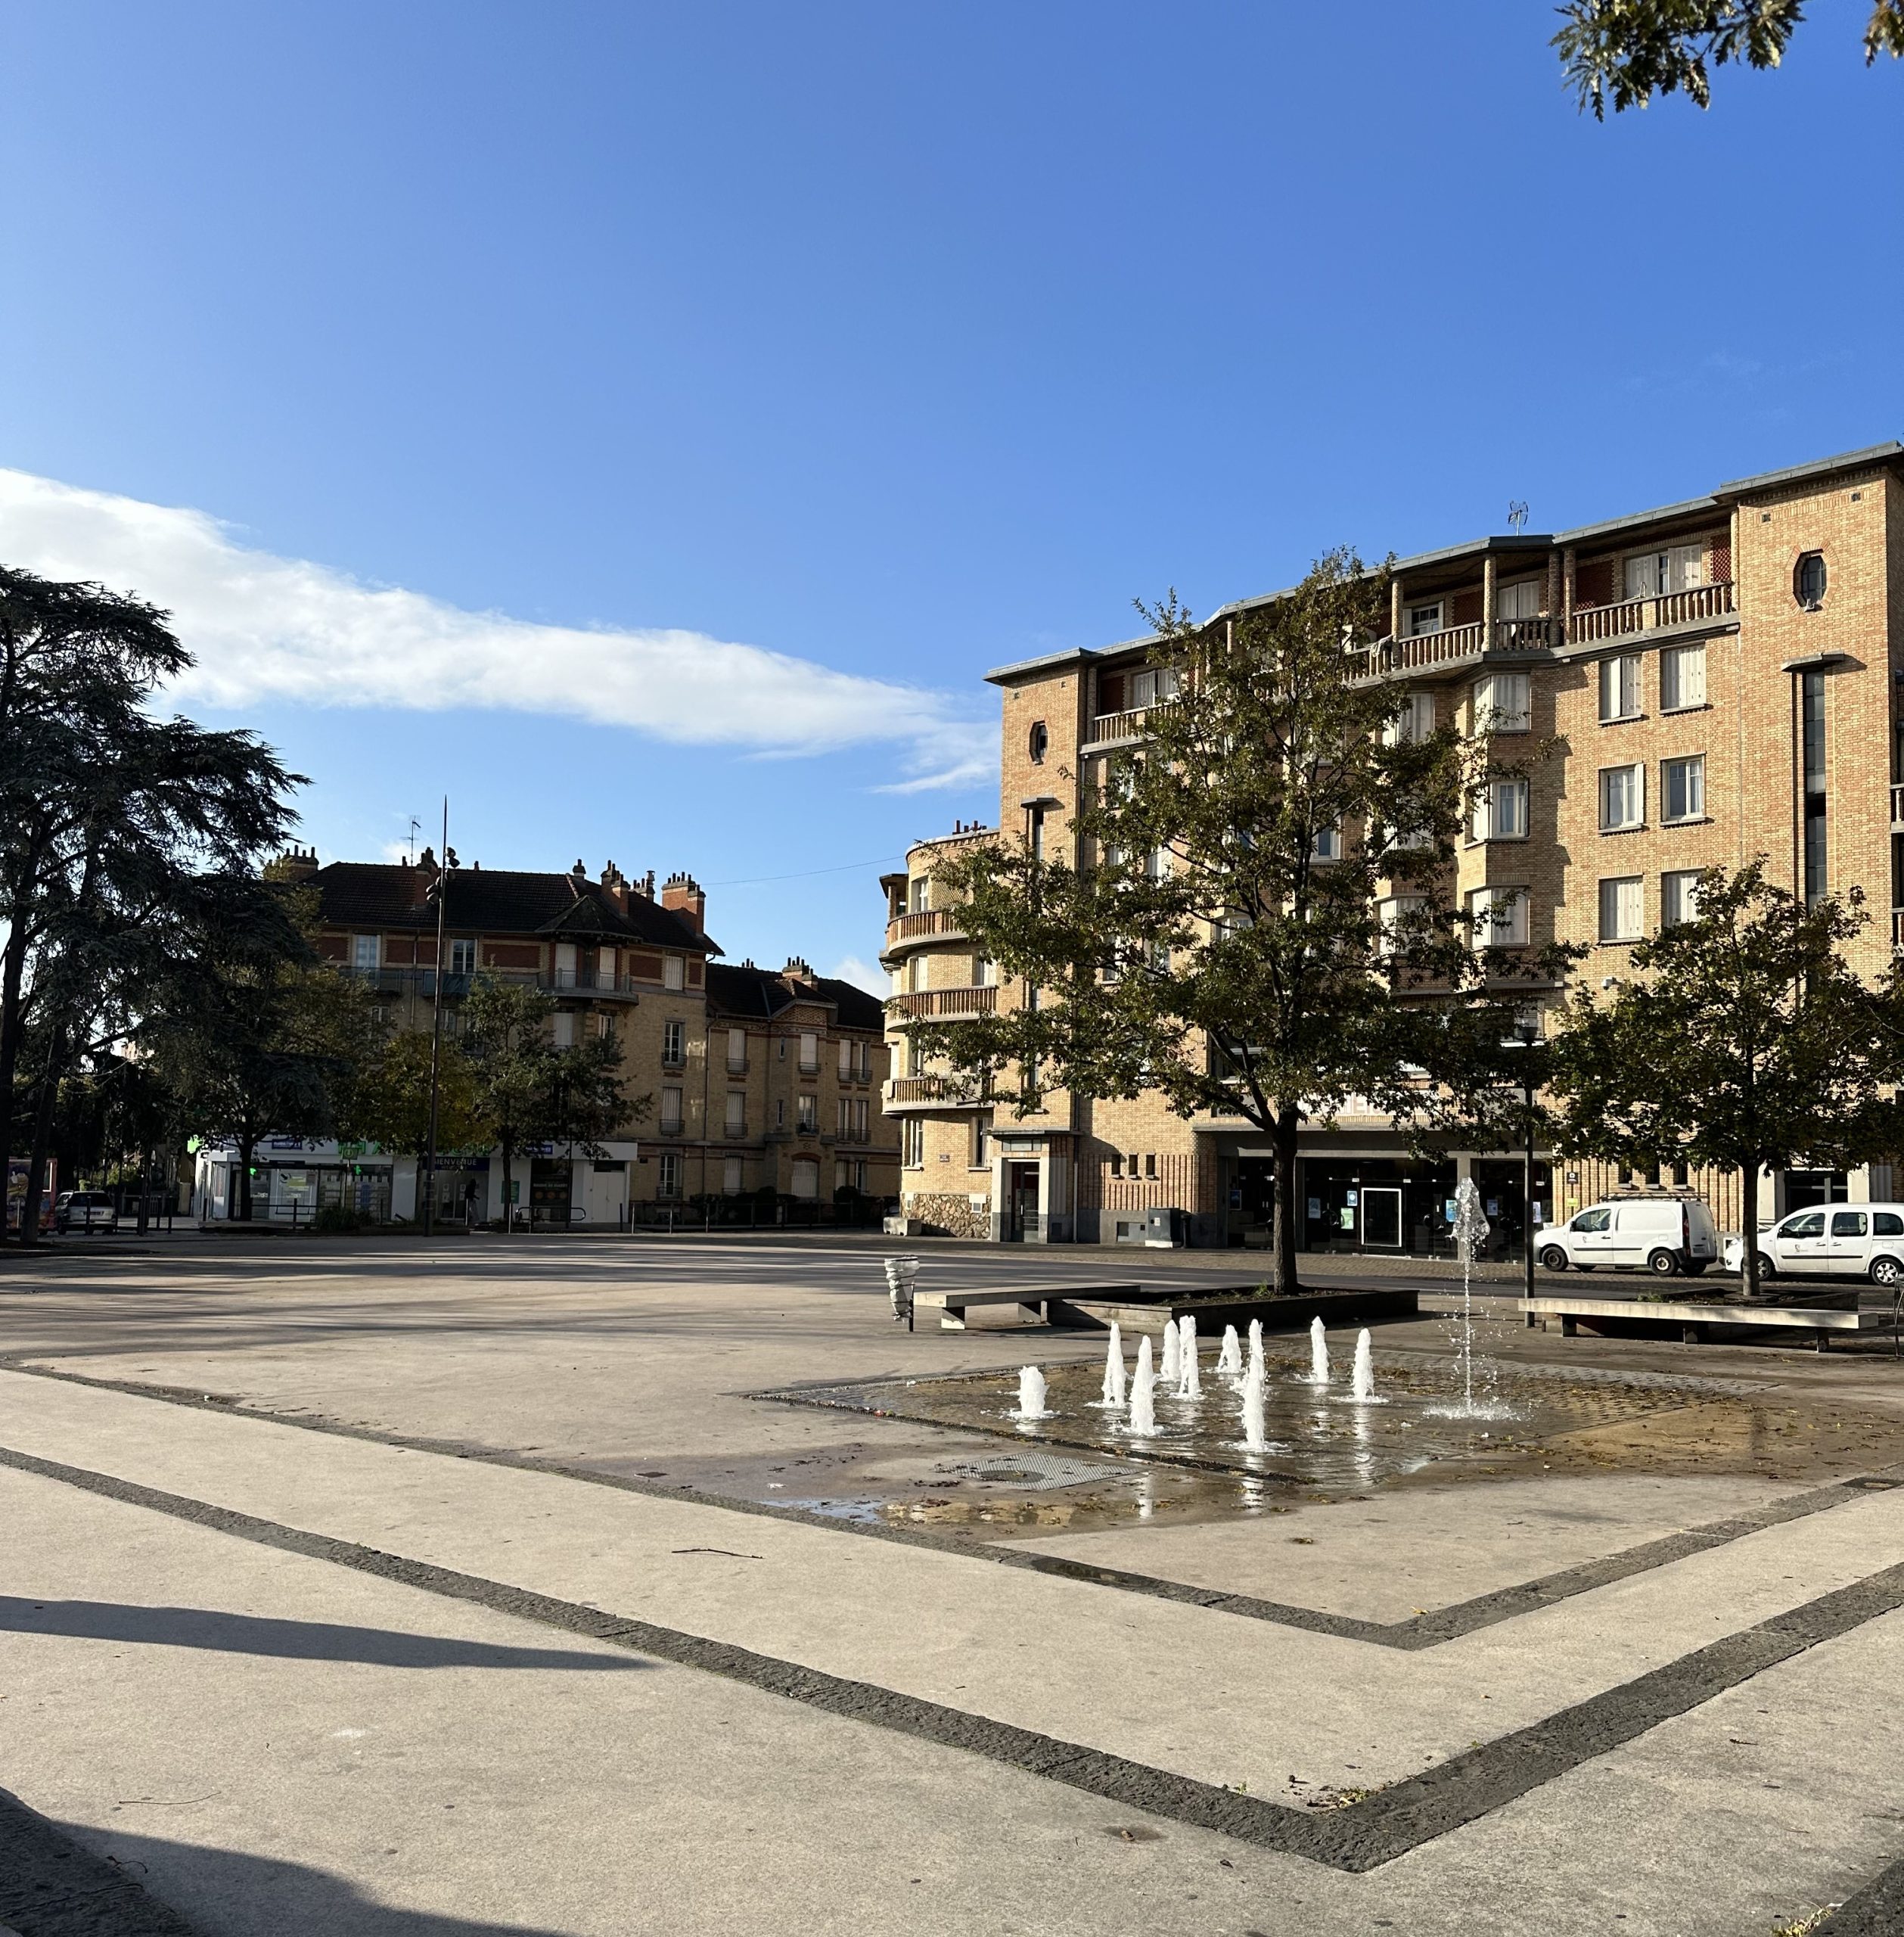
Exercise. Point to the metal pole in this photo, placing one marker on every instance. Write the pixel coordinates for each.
(1529, 1085)
(436, 1024)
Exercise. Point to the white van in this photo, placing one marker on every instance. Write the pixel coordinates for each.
(1662, 1235)
(1831, 1240)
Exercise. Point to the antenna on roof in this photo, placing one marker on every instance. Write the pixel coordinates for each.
(416, 827)
(1518, 514)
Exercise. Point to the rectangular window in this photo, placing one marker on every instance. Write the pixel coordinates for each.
(1502, 704)
(846, 1060)
(1394, 915)
(1153, 684)
(667, 1176)
(1418, 620)
(1499, 917)
(671, 1111)
(732, 1179)
(674, 1042)
(1683, 781)
(1329, 843)
(780, 1113)
(985, 972)
(1413, 723)
(1622, 909)
(563, 1021)
(673, 971)
(1623, 798)
(736, 1113)
(1811, 698)
(1501, 812)
(462, 956)
(737, 1048)
(1682, 677)
(1678, 898)
(809, 1052)
(809, 1110)
(918, 892)
(914, 1136)
(365, 951)
(605, 1026)
(605, 968)
(1668, 569)
(981, 1156)
(915, 974)
(1037, 834)
(1620, 687)
(866, 1060)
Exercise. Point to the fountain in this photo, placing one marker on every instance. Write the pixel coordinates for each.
(1471, 1228)
(1190, 1385)
(1254, 1437)
(1362, 1379)
(1229, 1358)
(1031, 1396)
(1113, 1400)
(1143, 1413)
(1318, 1354)
(1172, 1370)
(1256, 1351)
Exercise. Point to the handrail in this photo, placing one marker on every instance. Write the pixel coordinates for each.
(1128, 725)
(925, 922)
(1592, 623)
(977, 1000)
(928, 1089)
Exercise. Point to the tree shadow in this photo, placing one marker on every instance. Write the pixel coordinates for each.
(294, 1640)
(57, 1880)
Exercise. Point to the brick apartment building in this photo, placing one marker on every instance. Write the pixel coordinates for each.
(762, 1079)
(1720, 679)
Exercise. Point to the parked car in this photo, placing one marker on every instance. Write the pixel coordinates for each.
(85, 1210)
(1662, 1235)
(1830, 1241)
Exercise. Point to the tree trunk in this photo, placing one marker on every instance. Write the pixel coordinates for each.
(1283, 1134)
(42, 1140)
(11, 978)
(508, 1207)
(1749, 1219)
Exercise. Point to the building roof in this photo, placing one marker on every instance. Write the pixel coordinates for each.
(1888, 453)
(742, 990)
(497, 901)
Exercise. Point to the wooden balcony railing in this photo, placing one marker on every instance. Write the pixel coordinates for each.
(904, 1089)
(924, 925)
(1128, 725)
(1417, 655)
(976, 1001)
(1592, 623)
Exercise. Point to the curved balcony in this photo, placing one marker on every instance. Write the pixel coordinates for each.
(973, 1001)
(928, 924)
(925, 1092)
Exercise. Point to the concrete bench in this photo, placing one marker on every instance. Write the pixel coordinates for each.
(1695, 1320)
(1033, 1302)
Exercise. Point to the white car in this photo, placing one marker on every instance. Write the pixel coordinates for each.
(1831, 1241)
(1663, 1235)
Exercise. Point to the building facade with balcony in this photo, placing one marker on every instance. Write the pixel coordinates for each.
(1699, 684)
(764, 1083)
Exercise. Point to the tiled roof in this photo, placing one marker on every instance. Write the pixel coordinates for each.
(741, 989)
(496, 901)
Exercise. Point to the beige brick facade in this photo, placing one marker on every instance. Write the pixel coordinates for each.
(1669, 667)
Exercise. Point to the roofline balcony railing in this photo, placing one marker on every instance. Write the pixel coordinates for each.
(980, 999)
(601, 981)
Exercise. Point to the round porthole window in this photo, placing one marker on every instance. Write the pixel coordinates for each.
(1040, 741)
(1808, 580)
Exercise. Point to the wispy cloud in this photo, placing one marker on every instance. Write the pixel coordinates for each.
(264, 628)
(863, 974)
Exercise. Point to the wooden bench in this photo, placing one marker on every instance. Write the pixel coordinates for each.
(1695, 1320)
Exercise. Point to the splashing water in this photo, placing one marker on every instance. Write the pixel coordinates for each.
(1471, 1228)
(1172, 1370)
(1229, 1358)
(1362, 1379)
(1318, 1354)
(1254, 1437)
(1143, 1413)
(1031, 1396)
(1256, 1351)
(1113, 1400)
(1189, 1384)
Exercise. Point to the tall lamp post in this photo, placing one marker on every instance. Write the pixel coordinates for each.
(439, 893)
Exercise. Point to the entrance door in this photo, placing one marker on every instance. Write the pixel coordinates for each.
(1021, 1199)
(1381, 1217)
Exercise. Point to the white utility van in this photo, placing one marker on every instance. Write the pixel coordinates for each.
(1662, 1235)
(1831, 1240)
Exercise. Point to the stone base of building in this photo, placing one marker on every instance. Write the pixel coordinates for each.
(944, 1214)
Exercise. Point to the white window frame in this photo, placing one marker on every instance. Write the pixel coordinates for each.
(735, 1122)
(1615, 929)
(806, 1115)
(462, 956)
(733, 1176)
(1506, 928)
(1503, 703)
(1695, 764)
(1490, 823)
(1662, 570)
(1329, 844)
(674, 971)
(1613, 674)
(1675, 662)
(563, 1023)
(1634, 770)
(1530, 592)
(667, 1179)
(737, 1048)
(1413, 723)
(1678, 896)
(1423, 617)
(366, 951)
(674, 1041)
(809, 1051)
(673, 1116)
(913, 1134)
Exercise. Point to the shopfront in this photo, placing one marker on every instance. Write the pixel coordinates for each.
(1378, 1205)
(551, 1192)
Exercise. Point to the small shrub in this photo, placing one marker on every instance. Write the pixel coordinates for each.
(338, 1220)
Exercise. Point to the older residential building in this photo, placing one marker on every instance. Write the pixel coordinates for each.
(764, 1081)
(1717, 679)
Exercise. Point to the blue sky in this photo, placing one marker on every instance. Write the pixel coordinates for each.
(902, 341)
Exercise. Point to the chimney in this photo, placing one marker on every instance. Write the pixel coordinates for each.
(682, 894)
(647, 884)
(798, 969)
(615, 884)
(295, 865)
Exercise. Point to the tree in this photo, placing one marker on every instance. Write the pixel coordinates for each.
(390, 1104)
(1257, 920)
(1742, 1039)
(1633, 49)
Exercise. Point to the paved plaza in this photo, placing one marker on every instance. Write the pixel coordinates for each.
(428, 1591)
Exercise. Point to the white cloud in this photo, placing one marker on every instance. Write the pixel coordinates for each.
(263, 628)
(863, 974)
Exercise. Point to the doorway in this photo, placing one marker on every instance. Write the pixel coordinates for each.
(1021, 1201)
(1381, 1217)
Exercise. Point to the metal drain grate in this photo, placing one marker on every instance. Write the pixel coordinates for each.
(1036, 1472)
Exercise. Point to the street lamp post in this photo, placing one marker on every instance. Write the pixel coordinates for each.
(440, 888)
